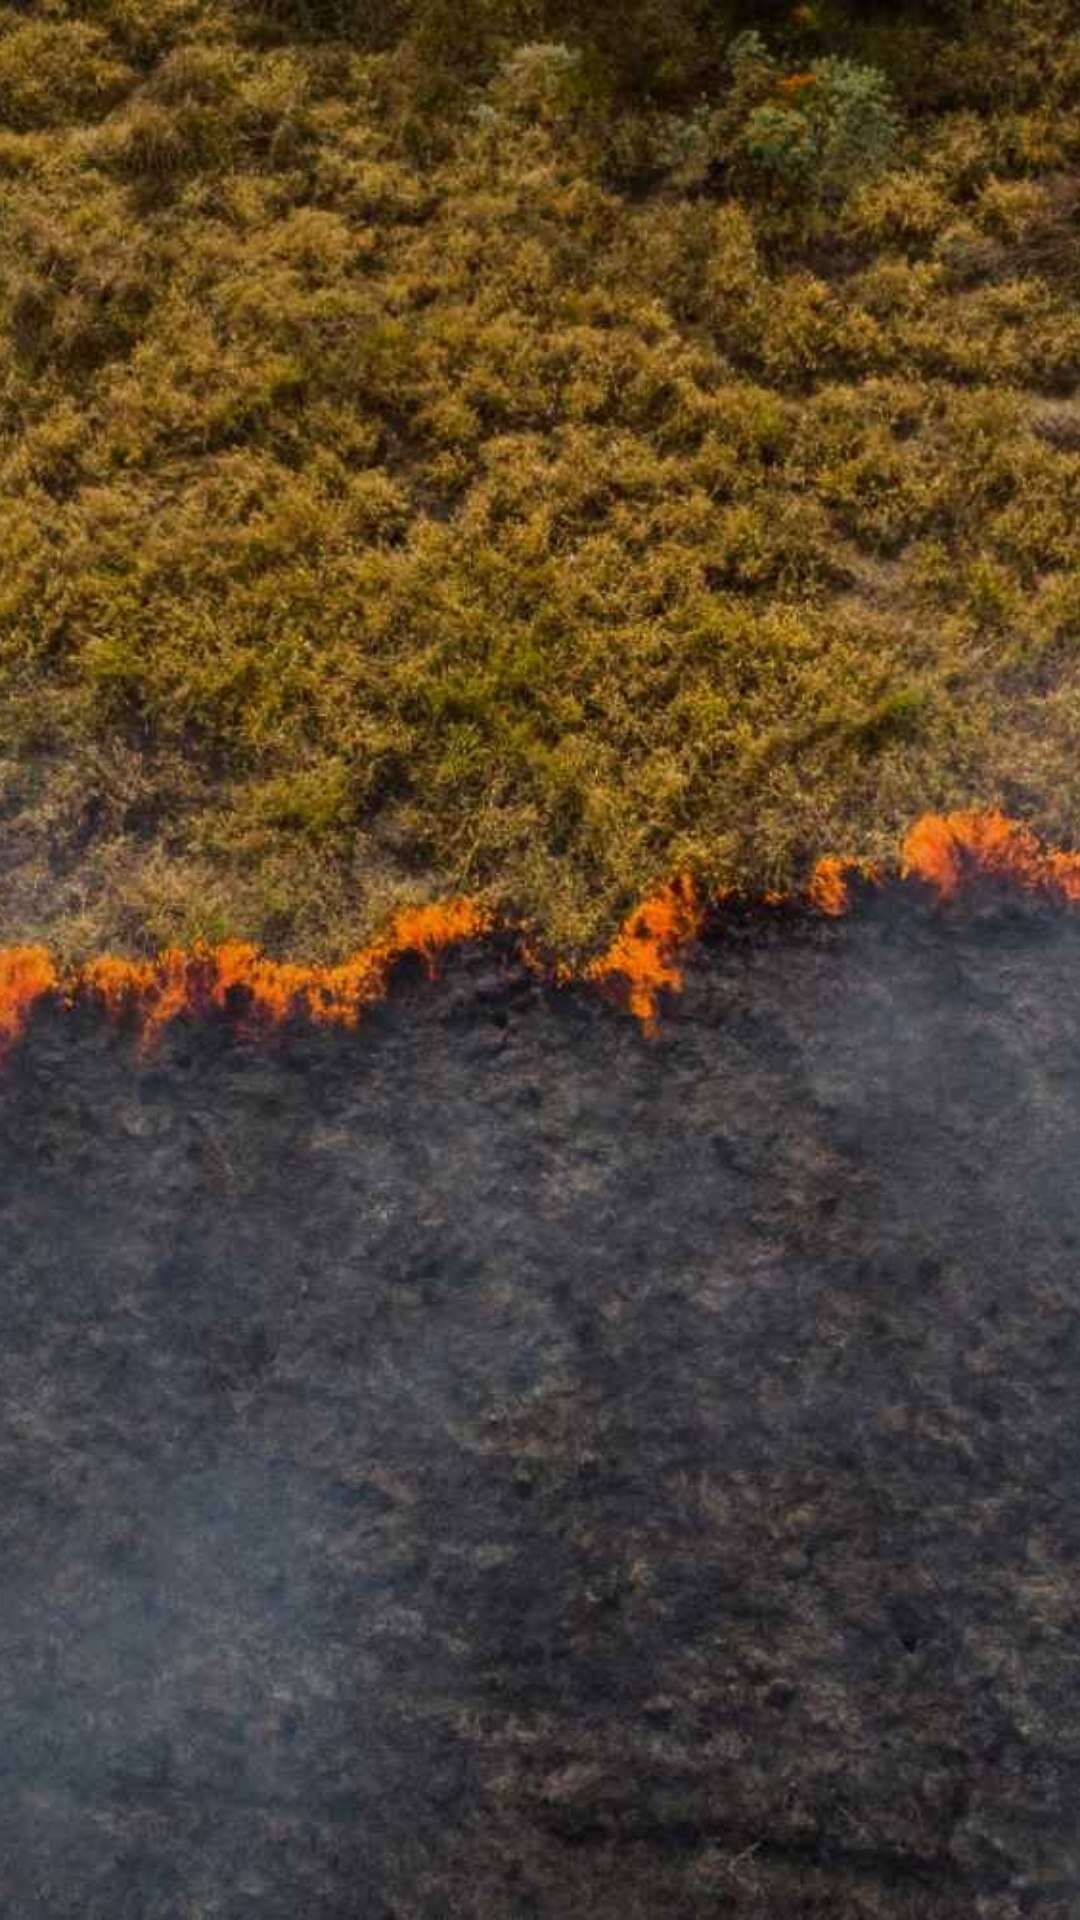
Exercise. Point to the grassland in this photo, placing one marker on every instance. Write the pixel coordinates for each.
(428, 467)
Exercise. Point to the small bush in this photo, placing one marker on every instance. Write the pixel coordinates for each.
(991, 592)
(54, 72)
(539, 82)
(905, 206)
(1010, 209)
(833, 128)
(814, 134)
(958, 154)
(1036, 141)
(805, 330)
(967, 254)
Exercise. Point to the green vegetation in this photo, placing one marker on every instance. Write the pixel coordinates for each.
(522, 447)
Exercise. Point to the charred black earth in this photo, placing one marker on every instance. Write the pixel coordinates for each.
(495, 1464)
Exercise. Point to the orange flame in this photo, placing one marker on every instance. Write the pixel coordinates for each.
(643, 951)
(946, 851)
(26, 973)
(157, 989)
(829, 890)
(176, 982)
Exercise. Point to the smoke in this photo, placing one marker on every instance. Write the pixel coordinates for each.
(489, 1464)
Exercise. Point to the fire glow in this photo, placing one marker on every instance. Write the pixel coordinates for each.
(945, 852)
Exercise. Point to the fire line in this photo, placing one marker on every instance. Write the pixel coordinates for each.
(943, 851)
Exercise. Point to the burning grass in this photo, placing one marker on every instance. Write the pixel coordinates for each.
(26, 974)
(641, 958)
(945, 852)
(946, 849)
(176, 982)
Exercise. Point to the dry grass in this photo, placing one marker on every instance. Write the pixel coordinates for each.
(395, 501)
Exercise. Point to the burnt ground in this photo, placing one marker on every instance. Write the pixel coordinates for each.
(495, 1465)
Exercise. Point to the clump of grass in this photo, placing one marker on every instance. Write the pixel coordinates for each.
(54, 72)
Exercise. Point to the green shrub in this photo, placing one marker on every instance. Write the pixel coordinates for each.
(815, 134)
(838, 131)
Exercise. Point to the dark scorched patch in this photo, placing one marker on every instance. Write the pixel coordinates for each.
(496, 1465)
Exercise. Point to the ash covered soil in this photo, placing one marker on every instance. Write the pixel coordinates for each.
(495, 1464)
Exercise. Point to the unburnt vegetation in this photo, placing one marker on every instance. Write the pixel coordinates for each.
(524, 448)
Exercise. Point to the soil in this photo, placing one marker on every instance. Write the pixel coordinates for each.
(498, 1464)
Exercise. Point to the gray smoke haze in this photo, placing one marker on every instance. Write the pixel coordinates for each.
(493, 1464)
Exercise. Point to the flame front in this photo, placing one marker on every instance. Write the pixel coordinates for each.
(642, 953)
(948, 849)
(26, 974)
(828, 889)
(178, 981)
(945, 851)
